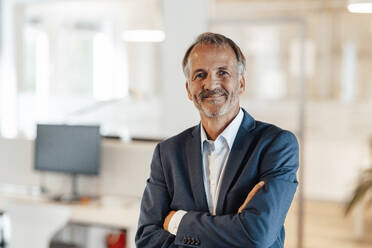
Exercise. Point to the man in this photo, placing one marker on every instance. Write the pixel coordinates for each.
(227, 182)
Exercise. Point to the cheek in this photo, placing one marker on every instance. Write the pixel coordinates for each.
(194, 88)
(231, 86)
(191, 92)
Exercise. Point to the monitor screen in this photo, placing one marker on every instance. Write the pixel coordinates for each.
(68, 149)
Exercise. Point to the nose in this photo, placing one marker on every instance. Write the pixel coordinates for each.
(210, 82)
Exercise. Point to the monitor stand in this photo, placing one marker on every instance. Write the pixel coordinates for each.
(74, 189)
(73, 197)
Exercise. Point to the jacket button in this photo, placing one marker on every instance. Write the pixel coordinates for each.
(192, 241)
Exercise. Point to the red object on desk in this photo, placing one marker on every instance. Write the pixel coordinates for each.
(116, 240)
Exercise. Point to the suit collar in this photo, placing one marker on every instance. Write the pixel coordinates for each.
(196, 131)
(248, 122)
(195, 168)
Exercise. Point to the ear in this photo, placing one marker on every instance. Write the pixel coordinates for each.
(242, 85)
(188, 91)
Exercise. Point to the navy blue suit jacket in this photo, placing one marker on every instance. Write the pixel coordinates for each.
(260, 151)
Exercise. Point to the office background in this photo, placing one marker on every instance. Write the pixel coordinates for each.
(117, 63)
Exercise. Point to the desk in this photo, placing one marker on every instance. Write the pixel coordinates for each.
(125, 217)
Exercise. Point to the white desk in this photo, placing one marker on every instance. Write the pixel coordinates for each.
(125, 217)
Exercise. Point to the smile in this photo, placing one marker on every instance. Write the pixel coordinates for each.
(213, 97)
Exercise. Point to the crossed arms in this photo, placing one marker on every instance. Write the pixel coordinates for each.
(257, 223)
(250, 195)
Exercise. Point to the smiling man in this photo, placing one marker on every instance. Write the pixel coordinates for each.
(227, 182)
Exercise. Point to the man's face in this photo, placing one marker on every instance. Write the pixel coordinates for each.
(213, 82)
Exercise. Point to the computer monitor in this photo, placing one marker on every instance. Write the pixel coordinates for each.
(68, 149)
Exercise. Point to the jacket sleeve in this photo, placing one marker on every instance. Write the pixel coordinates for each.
(260, 223)
(154, 209)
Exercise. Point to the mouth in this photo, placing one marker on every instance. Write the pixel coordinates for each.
(213, 96)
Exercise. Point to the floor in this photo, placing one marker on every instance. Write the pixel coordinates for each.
(327, 227)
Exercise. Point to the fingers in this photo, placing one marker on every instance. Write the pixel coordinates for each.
(255, 189)
(251, 194)
(168, 219)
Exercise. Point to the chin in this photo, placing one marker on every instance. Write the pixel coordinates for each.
(214, 113)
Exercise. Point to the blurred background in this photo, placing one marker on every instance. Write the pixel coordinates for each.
(116, 64)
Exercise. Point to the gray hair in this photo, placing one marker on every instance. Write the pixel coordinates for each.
(217, 40)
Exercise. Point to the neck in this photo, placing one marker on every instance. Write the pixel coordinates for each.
(214, 126)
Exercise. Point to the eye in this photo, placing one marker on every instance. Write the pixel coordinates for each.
(222, 73)
(199, 75)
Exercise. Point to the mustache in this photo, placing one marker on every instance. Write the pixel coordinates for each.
(215, 92)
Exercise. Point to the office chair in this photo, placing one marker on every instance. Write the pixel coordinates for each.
(34, 224)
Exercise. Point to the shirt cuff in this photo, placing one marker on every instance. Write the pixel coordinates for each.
(175, 221)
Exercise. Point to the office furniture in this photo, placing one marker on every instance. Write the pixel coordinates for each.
(34, 224)
(124, 216)
(62, 245)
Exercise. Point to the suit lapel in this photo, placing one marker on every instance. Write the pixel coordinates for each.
(239, 149)
(195, 169)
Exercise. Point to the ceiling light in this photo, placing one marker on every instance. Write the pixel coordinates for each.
(360, 6)
(143, 35)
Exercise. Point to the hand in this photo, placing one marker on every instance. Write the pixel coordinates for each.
(250, 195)
(168, 219)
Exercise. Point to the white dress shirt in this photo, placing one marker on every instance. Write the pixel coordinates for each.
(214, 156)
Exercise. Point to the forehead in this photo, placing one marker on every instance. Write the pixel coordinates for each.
(210, 56)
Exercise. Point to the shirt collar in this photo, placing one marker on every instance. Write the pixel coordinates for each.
(228, 134)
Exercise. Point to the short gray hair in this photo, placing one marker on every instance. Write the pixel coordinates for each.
(217, 40)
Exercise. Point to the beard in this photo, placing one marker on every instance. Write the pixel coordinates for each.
(217, 102)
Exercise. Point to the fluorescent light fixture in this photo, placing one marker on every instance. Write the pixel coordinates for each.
(143, 35)
(360, 6)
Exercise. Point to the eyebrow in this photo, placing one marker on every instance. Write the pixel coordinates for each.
(219, 68)
(198, 70)
(202, 70)
(223, 68)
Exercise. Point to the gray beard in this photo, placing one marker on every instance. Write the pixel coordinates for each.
(225, 108)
